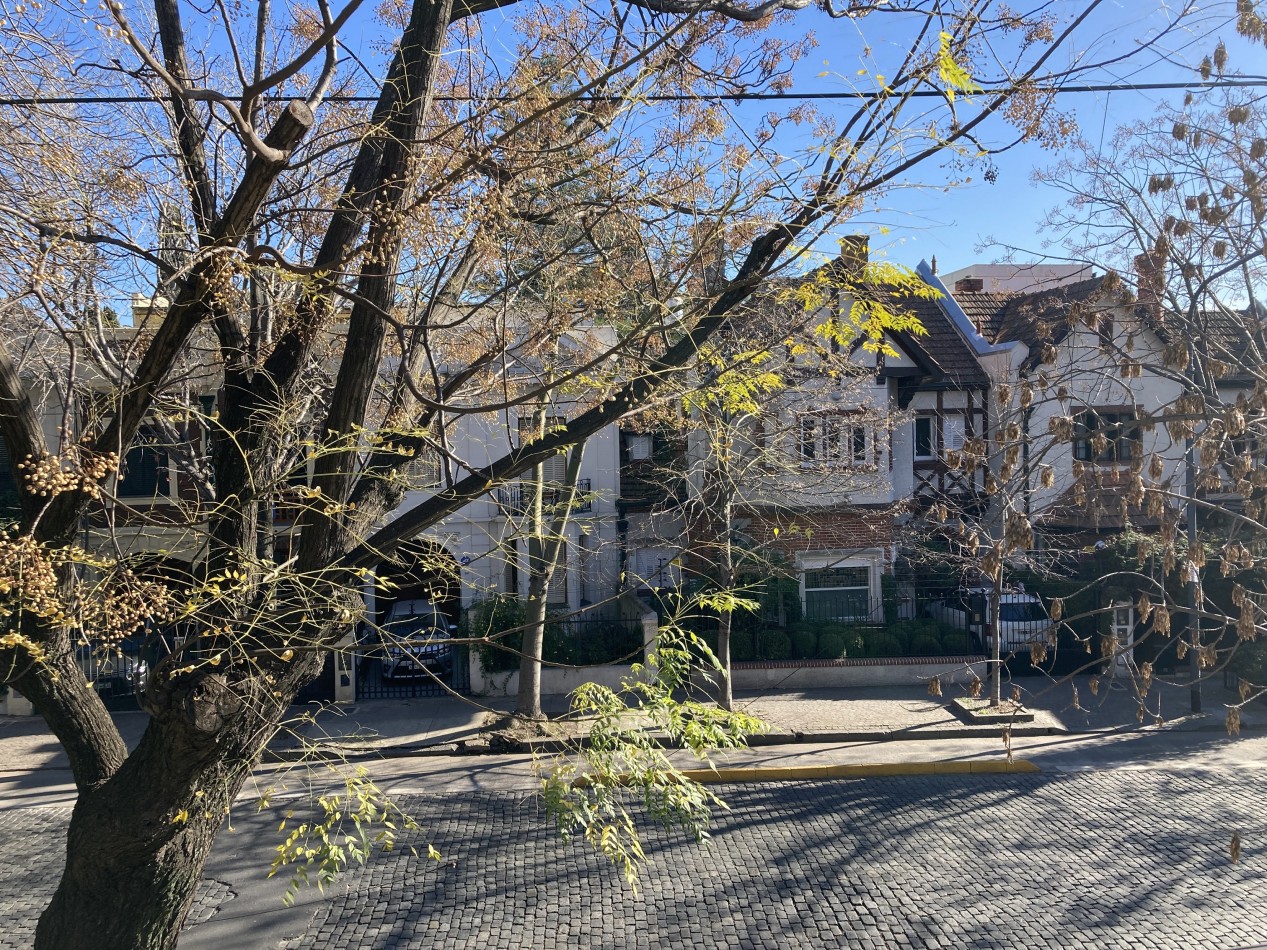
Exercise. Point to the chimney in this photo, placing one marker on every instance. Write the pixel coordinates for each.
(855, 252)
(969, 285)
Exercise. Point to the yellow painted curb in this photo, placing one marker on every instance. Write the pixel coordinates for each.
(796, 773)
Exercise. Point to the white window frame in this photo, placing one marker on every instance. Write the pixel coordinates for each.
(833, 440)
(931, 420)
(639, 446)
(873, 562)
(667, 572)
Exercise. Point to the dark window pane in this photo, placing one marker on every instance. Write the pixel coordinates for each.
(808, 434)
(10, 503)
(924, 437)
(838, 577)
(144, 470)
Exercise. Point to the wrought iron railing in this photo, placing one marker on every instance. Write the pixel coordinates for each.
(516, 497)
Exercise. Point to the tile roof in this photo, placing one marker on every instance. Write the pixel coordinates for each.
(984, 308)
(1047, 316)
(941, 345)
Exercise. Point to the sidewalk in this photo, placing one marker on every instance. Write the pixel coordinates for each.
(446, 725)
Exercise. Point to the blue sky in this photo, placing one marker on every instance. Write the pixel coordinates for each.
(957, 224)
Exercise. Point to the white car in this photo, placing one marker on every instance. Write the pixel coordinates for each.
(1022, 617)
(415, 640)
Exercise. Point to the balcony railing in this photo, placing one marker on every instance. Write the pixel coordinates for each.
(516, 497)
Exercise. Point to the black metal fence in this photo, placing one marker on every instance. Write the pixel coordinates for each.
(377, 677)
(587, 639)
(120, 675)
(791, 623)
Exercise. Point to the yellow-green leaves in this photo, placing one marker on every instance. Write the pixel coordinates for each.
(953, 75)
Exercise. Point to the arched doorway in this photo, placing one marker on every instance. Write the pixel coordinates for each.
(421, 569)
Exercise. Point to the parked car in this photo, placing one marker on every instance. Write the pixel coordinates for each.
(1022, 617)
(113, 674)
(415, 640)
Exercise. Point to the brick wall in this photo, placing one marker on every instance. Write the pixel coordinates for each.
(822, 531)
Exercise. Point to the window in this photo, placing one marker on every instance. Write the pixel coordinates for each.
(1106, 437)
(143, 473)
(557, 592)
(924, 437)
(952, 433)
(10, 500)
(553, 469)
(639, 447)
(833, 440)
(654, 567)
(837, 592)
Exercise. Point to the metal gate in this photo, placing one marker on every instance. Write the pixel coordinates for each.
(372, 684)
(119, 677)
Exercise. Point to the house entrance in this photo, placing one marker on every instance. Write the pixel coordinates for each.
(400, 651)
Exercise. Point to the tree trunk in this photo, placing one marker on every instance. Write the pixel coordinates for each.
(545, 545)
(996, 651)
(127, 884)
(528, 704)
(138, 842)
(725, 691)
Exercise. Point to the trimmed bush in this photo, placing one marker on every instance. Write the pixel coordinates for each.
(741, 647)
(488, 617)
(925, 644)
(855, 641)
(831, 646)
(775, 645)
(955, 641)
(805, 642)
(883, 644)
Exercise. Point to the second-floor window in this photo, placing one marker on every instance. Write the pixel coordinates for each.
(553, 469)
(924, 430)
(143, 473)
(833, 440)
(1106, 436)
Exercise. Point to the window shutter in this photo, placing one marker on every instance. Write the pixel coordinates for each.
(952, 434)
(558, 591)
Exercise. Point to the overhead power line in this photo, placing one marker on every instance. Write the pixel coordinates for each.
(1258, 83)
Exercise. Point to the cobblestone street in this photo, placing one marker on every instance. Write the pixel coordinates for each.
(1123, 858)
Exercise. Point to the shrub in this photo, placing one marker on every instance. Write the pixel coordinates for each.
(488, 617)
(806, 643)
(1250, 662)
(831, 646)
(587, 643)
(741, 650)
(883, 644)
(955, 641)
(925, 644)
(775, 645)
(855, 640)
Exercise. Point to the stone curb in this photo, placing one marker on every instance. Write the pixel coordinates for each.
(800, 773)
(334, 750)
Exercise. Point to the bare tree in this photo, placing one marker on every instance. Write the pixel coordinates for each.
(344, 271)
